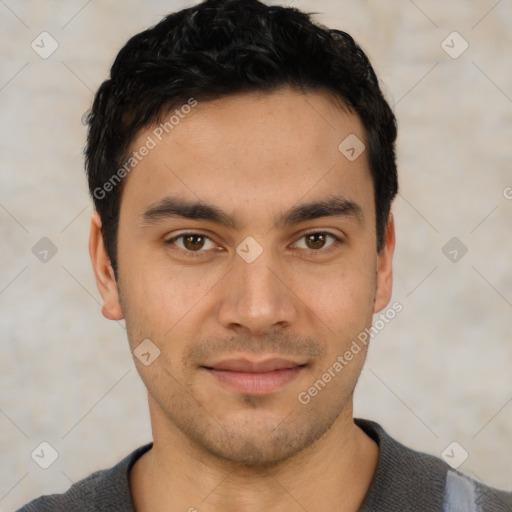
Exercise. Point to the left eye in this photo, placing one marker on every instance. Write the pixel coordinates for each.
(316, 241)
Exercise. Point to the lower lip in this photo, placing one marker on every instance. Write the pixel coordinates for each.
(256, 383)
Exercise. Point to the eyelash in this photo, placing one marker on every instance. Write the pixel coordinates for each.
(199, 253)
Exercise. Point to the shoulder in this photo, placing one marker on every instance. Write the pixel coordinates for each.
(407, 479)
(104, 488)
(465, 493)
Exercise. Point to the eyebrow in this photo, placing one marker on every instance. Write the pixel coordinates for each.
(175, 207)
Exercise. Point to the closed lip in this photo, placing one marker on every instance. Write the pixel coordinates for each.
(250, 366)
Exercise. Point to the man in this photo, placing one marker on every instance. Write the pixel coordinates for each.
(242, 165)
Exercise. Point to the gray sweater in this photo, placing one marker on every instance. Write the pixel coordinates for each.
(404, 481)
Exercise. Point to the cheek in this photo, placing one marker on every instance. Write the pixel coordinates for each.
(159, 300)
(341, 293)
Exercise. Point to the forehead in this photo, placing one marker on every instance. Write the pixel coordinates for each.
(253, 149)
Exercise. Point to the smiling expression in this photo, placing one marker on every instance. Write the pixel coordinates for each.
(247, 255)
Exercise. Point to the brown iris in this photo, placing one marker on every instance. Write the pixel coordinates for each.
(193, 242)
(315, 240)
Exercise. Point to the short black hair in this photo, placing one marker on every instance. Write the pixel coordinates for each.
(219, 48)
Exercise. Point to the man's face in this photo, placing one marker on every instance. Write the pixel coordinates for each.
(249, 312)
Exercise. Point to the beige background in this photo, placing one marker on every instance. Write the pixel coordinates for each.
(439, 372)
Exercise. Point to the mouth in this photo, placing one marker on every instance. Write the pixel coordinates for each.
(255, 378)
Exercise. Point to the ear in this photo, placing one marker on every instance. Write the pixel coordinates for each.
(385, 268)
(103, 272)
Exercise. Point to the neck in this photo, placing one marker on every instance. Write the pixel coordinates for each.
(334, 473)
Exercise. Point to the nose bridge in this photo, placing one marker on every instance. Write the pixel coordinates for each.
(255, 297)
(258, 278)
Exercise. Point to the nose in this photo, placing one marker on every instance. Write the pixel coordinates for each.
(258, 297)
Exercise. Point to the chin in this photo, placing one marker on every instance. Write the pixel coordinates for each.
(260, 444)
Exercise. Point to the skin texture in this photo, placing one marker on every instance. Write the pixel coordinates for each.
(255, 156)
